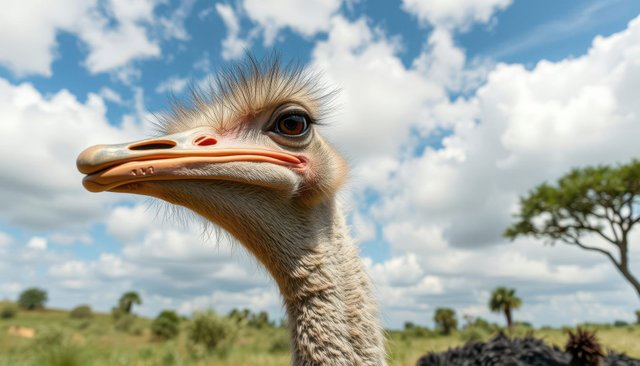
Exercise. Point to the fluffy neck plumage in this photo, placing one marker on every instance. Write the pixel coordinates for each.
(331, 312)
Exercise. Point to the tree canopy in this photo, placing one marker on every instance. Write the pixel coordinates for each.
(127, 300)
(599, 202)
(32, 298)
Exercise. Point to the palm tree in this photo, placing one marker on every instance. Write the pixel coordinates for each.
(504, 300)
(127, 300)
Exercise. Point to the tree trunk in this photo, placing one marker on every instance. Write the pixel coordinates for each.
(623, 267)
(507, 313)
(631, 278)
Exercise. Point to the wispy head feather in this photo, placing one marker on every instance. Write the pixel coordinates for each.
(242, 90)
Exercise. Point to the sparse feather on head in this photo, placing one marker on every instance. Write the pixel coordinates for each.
(243, 90)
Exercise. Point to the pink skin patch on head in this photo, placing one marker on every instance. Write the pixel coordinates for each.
(205, 141)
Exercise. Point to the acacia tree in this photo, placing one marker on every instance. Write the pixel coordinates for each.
(504, 300)
(593, 201)
(445, 319)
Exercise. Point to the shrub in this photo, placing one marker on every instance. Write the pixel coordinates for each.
(412, 330)
(50, 337)
(280, 343)
(637, 316)
(208, 332)
(127, 323)
(166, 325)
(32, 298)
(81, 312)
(8, 311)
(483, 325)
(260, 320)
(620, 323)
(62, 356)
(473, 333)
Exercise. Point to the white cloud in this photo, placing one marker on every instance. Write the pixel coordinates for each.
(305, 17)
(44, 135)
(454, 14)
(70, 238)
(28, 32)
(37, 243)
(173, 84)
(376, 112)
(233, 46)
(111, 48)
(115, 31)
(129, 223)
(110, 95)
(5, 240)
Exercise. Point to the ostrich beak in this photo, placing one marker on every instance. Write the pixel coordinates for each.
(171, 157)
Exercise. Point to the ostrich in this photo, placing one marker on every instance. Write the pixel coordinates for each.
(248, 157)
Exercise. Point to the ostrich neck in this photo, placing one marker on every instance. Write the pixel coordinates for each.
(331, 312)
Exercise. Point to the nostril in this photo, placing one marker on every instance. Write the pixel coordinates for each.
(153, 145)
(205, 141)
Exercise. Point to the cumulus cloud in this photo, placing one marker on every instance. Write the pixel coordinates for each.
(377, 113)
(37, 243)
(233, 46)
(173, 84)
(454, 14)
(115, 32)
(307, 18)
(28, 32)
(44, 135)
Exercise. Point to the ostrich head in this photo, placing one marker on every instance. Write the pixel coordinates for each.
(248, 157)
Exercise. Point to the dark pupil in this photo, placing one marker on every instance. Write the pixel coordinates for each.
(293, 125)
(290, 123)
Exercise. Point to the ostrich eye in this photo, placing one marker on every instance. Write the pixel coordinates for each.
(292, 124)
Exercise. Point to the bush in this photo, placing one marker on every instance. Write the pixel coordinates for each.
(483, 325)
(50, 337)
(8, 311)
(473, 333)
(166, 325)
(208, 332)
(81, 312)
(620, 323)
(127, 323)
(637, 316)
(280, 343)
(260, 320)
(62, 356)
(412, 330)
(32, 298)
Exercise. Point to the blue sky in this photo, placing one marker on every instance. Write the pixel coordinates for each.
(448, 112)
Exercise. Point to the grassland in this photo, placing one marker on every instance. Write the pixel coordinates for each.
(60, 340)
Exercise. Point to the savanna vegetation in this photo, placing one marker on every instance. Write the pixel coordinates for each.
(238, 338)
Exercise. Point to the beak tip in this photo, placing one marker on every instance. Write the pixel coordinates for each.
(87, 160)
(91, 186)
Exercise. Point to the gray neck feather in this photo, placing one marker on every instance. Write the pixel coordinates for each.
(331, 311)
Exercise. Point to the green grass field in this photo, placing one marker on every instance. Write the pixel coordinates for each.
(62, 341)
